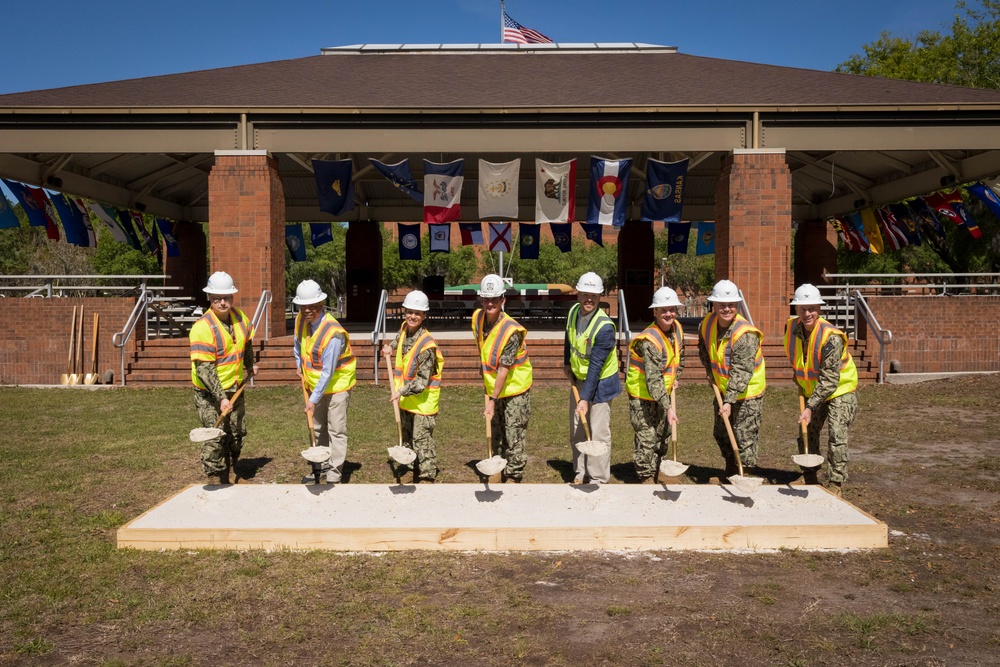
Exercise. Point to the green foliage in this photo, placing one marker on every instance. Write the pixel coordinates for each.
(687, 273)
(555, 266)
(114, 258)
(458, 266)
(325, 264)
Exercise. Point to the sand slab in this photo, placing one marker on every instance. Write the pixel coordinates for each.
(372, 517)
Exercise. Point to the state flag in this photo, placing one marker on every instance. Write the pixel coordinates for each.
(401, 177)
(7, 216)
(320, 233)
(36, 206)
(893, 236)
(334, 185)
(872, 233)
(954, 198)
(125, 221)
(84, 212)
(555, 191)
(664, 196)
(295, 242)
(528, 240)
(499, 236)
(608, 188)
(472, 233)
(906, 222)
(858, 230)
(924, 214)
(677, 235)
(409, 241)
(168, 231)
(593, 232)
(562, 234)
(443, 191)
(148, 239)
(706, 239)
(440, 237)
(111, 222)
(498, 184)
(841, 226)
(72, 221)
(985, 194)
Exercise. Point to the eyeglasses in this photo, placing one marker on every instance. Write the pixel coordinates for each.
(214, 299)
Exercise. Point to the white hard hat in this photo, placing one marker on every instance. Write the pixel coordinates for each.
(308, 292)
(664, 297)
(591, 283)
(220, 282)
(725, 291)
(416, 300)
(807, 295)
(491, 286)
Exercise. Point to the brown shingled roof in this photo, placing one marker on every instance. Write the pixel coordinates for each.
(518, 79)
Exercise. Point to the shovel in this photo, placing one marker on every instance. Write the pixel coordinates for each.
(672, 468)
(491, 466)
(75, 376)
(400, 454)
(69, 358)
(204, 434)
(745, 484)
(808, 462)
(91, 377)
(315, 455)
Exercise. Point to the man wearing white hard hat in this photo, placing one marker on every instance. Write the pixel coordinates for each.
(730, 349)
(326, 364)
(417, 385)
(221, 361)
(656, 357)
(827, 378)
(507, 375)
(590, 358)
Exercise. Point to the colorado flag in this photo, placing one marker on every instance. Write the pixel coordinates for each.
(608, 185)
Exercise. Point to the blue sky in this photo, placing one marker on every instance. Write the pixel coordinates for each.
(61, 43)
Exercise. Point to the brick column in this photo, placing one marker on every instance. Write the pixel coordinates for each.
(815, 251)
(753, 225)
(246, 232)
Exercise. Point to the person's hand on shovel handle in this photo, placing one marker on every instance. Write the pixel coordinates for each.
(806, 416)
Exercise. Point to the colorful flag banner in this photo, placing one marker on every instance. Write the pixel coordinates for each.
(111, 222)
(7, 216)
(148, 239)
(608, 187)
(562, 234)
(854, 218)
(72, 221)
(593, 232)
(498, 188)
(677, 237)
(443, 191)
(872, 233)
(320, 233)
(985, 194)
(923, 213)
(663, 199)
(954, 198)
(334, 185)
(168, 230)
(515, 33)
(499, 236)
(892, 234)
(295, 242)
(528, 241)
(555, 191)
(440, 237)
(472, 233)
(401, 176)
(706, 239)
(906, 222)
(841, 226)
(125, 221)
(84, 212)
(36, 206)
(409, 241)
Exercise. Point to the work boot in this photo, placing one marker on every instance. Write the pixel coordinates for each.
(404, 476)
(223, 476)
(578, 480)
(836, 488)
(511, 480)
(646, 480)
(810, 476)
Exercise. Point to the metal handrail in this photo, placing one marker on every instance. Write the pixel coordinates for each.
(122, 337)
(262, 309)
(745, 308)
(883, 336)
(623, 327)
(48, 282)
(380, 322)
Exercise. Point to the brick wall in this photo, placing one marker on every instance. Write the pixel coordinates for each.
(753, 224)
(34, 337)
(940, 334)
(815, 251)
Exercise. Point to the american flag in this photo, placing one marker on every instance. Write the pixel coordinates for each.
(518, 34)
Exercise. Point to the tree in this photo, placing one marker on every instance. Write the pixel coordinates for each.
(688, 273)
(325, 264)
(555, 266)
(458, 266)
(967, 56)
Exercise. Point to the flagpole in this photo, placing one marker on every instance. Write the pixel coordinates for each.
(501, 21)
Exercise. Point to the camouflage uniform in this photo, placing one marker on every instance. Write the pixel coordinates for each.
(649, 418)
(840, 411)
(418, 430)
(510, 416)
(746, 415)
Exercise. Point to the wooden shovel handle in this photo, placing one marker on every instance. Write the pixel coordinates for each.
(489, 432)
(395, 404)
(93, 350)
(673, 429)
(72, 343)
(309, 419)
(729, 430)
(78, 364)
(232, 401)
(583, 418)
(804, 428)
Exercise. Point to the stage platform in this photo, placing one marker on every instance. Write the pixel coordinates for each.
(524, 517)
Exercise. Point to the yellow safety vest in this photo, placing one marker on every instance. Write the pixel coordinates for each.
(806, 363)
(581, 346)
(211, 342)
(311, 348)
(427, 401)
(720, 352)
(520, 374)
(635, 379)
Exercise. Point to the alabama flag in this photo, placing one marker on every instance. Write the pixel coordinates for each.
(499, 236)
(608, 184)
(555, 191)
(442, 191)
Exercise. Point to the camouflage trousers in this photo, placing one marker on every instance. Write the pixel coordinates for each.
(745, 420)
(218, 453)
(839, 413)
(418, 435)
(509, 423)
(652, 434)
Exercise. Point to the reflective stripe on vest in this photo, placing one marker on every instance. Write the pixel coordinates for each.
(519, 377)
(670, 350)
(720, 352)
(311, 352)
(581, 346)
(806, 365)
(427, 401)
(211, 342)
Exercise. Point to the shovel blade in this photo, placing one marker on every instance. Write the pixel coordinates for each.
(90, 378)
(746, 485)
(672, 468)
(204, 434)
